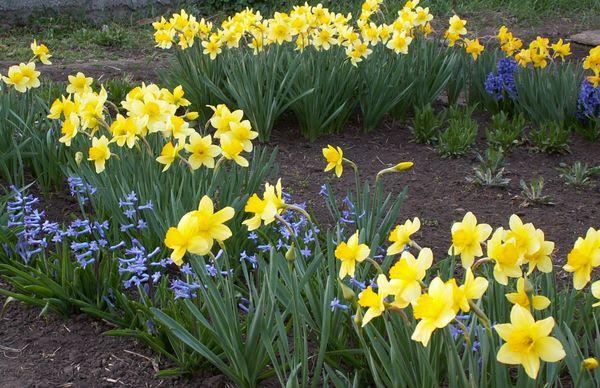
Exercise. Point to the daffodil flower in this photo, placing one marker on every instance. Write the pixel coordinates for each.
(472, 289)
(400, 235)
(203, 152)
(467, 237)
(41, 51)
(507, 257)
(168, 154)
(540, 259)
(409, 272)
(335, 159)
(197, 230)
(99, 153)
(266, 209)
(350, 253)
(584, 256)
(527, 341)
(538, 302)
(434, 310)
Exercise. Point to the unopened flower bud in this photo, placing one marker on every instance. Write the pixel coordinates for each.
(290, 255)
(191, 116)
(589, 363)
(403, 166)
(78, 157)
(347, 292)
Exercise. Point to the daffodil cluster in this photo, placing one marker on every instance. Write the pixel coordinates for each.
(436, 304)
(146, 110)
(24, 76)
(304, 26)
(538, 53)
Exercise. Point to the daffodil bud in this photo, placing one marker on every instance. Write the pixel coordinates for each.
(397, 168)
(403, 166)
(358, 317)
(290, 255)
(528, 287)
(78, 157)
(590, 363)
(191, 116)
(347, 292)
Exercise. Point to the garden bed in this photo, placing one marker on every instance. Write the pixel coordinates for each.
(59, 350)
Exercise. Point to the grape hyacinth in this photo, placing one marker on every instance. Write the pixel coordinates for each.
(502, 83)
(280, 236)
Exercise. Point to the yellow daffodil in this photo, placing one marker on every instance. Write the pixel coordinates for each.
(408, 273)
(561, 49)
(527, 341)
(91, 108)
(457, 25)
(522, 298)
(99, 153)
(504, 35)
(540, 259)
(350, 253)
(467, 237)
(473, 47)
(434, 310)
(168, 154)
(176, 98)
(399, 43)
(472, 289)
(41, 51)
(164, 38)
(197, 230)
(185, 238)
(264, 209)
(203, 152)
(22, 77)
(335, 159)
(374, 301)
(125, 130)
(400, 235)
(210, 223)
(231, 148)
(507, 257)
(69, 128)
(178, 128)
(79, 84)
(222, 118)
(423, 16)
(525, 236)
(584, 256)
(242, 132)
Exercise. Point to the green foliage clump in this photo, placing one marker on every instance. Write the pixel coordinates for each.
(505, 133)
(551, 138)
(461, 133)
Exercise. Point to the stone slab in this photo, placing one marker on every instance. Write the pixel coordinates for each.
(588, 38)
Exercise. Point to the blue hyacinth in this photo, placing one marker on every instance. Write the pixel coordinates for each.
(588, 104)
(502, 83)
